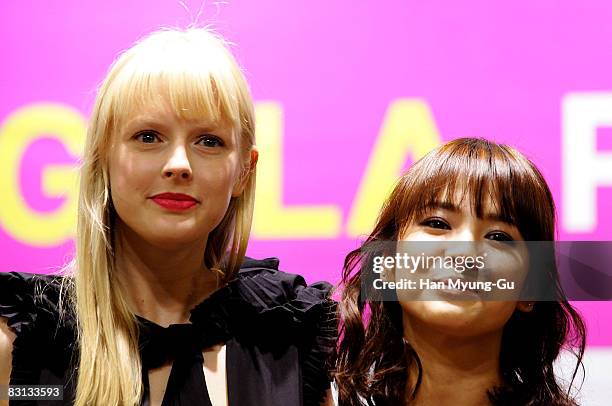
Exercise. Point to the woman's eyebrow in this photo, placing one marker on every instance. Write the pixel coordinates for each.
(497, 217)
(150, 122)
(143, 122)
(450, 206)
(208, 128)
(445, 205)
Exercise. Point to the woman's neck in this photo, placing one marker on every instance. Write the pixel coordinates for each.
(456, 370)
(162, 285)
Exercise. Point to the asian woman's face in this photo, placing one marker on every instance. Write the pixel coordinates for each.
(449, 230)
(171, 178)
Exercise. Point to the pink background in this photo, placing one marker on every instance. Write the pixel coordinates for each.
(486, 69)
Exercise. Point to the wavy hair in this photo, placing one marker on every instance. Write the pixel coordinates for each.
(373, 361)
(197, 73)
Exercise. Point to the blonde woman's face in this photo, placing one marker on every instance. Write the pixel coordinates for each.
(450, 230)
(172, 179)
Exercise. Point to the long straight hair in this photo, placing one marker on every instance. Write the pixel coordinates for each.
(373, 360)
(194, 70)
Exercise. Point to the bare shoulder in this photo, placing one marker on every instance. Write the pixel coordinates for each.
(6, 347)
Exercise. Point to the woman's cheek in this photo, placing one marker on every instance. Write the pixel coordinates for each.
(217, 177)
(511, 266)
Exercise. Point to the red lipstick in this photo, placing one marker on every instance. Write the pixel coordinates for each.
(175, 201)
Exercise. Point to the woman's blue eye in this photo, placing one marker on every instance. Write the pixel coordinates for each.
(436, 223)
(148, 137)
(210, 141)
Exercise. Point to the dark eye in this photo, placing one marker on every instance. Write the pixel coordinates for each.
(147, 137)
(436, 223)
(210, 141)
(499, 236)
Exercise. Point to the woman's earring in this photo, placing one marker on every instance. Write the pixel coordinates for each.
(525, 307)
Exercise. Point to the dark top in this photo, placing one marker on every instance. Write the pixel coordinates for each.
(278, 334)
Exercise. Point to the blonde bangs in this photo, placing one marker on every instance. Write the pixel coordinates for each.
(197, 81)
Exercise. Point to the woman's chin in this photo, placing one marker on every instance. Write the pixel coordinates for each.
(172, 239)
(460, 318)
(450, 315)
(454, 310)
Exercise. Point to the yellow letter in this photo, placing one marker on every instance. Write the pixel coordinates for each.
(20, 130)
(271, 218)
(408, 127)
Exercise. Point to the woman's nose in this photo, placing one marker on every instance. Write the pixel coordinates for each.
(463, 243)
(465, 234)
(178, 165)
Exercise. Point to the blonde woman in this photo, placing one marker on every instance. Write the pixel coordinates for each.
(155, 310)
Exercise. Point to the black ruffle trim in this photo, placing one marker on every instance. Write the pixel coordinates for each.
(275, 307)
(42, 337)
(262, 305)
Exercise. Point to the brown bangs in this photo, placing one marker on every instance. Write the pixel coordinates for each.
(486, 174)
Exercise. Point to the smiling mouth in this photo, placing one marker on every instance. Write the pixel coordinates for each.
(456, 289)
(175, 201)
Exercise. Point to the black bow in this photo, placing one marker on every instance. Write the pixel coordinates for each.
(158, 345)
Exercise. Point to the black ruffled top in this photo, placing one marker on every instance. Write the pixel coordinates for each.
(278, 333)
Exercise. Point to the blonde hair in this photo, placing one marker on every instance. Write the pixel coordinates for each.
(194, 70)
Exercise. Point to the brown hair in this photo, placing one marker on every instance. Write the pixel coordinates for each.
(372, 359)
